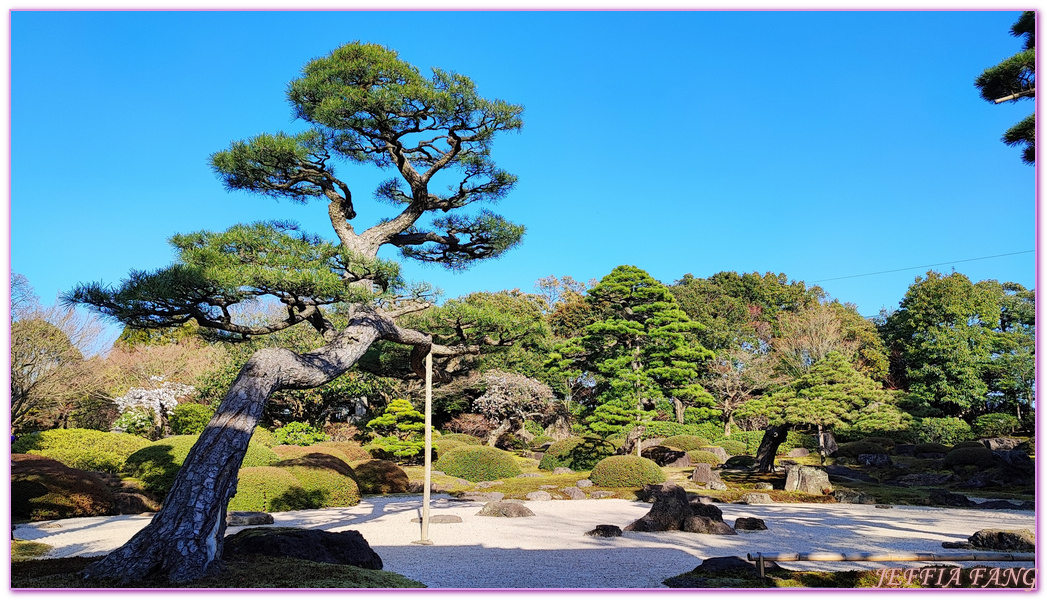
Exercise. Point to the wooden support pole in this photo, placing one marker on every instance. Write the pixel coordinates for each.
(426, 493)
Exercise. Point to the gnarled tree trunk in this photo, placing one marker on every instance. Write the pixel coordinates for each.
(184, 540)
(773, 437)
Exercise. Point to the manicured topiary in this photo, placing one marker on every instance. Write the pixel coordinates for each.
(886, 443)
(442, 446)
(977, 457)
(930, 448)
(351, 450)
(297, 433)
(995, 425)
(685, 442)
(43, 488)
(190, 418)
(732, 447)
(286, 452)
(158, 463)
(85, 449)
(381, 477)
(478, 463)
(465, 438)
(578, 453)
(326, 481)
(704, 456)
(853, 449)
(266, 489)
(264, 437)
(623, 471)
(740, 462)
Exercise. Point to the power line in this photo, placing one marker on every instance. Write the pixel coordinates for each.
(924, 266)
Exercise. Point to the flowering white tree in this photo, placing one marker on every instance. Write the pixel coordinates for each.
(509, 399)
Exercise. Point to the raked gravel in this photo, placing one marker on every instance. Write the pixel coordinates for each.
(551, 550)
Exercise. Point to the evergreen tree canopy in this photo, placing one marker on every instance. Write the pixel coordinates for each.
(1015, 79)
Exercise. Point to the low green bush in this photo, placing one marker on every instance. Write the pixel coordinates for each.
(624, 471)
(534, 428)
(326, 481)
(381, 477)
(286, 452)
(85, 449)
(352, 450)
(541, 439)
(943, 430)
(577, 453)
(975, 457)
(465, 438)
(190, 418)
(664, 429)
(853, 449)
(443, 445)
(685, 442)
(297, 433)
(995, 425)
(478, 463)
(740, 462)
(733, 447)
(264, 437)
(267, 489)
(704, 456)
(43, 489)
(157, 464)
(930, 448)
(885, 442)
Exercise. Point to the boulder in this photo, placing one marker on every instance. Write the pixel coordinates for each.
(547, 487)
(700, 524)
(904, 449)
(668, 512)
(874, 460)
(605, 531)
(1015, 540)
(1007, 505)
(958, 545)
(461, 481)
(809, 480)
(539, 496)
(505, 509)
(574, 493)
(339, 548)
(486, 484)
(247, 518)
(929, 455)
(529, 475)
(750, 524)
(1000, 443)
(601, 494)
(702, 509)
(717, 485)
(734, 567)
(798, 453)
(417, 487)
(703, 473)
(482, 496)
(941, 497)
(924, 479)
(842, 472)
(651, 443)
(438, 519)
(718, 451)
(584, 483)
(756, 498)
(134, 503)
(562, 470)
(853, 497)
(764, 486)
(667, 457)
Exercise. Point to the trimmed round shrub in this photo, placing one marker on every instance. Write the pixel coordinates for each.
(478, 463)
(577, 453)
(381, 477)
(190, 418)
(740, 462)
(625, 471)
(853, 449)
(286, 452)
(685, 442)
(704, 456)
(43, 488)
(266, 489)
(886, 443)
(971, 444)
(733, 447)
(541, 439)
(930, 448)
(297, 433)
(944, 430)
(351, 450)
(85, 449)
(975, 457)
(157, 464)
(264, 437)
(995, 425)
(465, 438)
(326, 481)
(443, 445)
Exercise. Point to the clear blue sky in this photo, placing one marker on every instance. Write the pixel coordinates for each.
(815, 144)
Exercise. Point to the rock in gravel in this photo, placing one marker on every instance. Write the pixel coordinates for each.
(946, 498)
(440, 519)
(809, 480)
(539, 496)
(798, 453)
(340, 548)
(601, 494)
(853, 497)
(242, 518)
(483, 496)
(1014, 540)
(562, 470)
(605, 531)
(574, 493)
(1000, 443)
(958, 545)
(884, 506)
(750, 524)
(487, 484)
(925, 479)
(529, 475)
(764, 486)
(668, 512)
(756, 498)
(584, 483)
(505, 509)
(699, 524)
(462, 482)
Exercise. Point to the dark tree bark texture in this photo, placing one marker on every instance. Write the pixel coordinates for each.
(773, 437)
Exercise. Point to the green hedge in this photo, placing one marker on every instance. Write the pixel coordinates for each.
(465, 438)
(577, 453)
(381, 477)
(624, 471)
(267, 489)
(664, 429)
(157, 464)
(286, 452)
(264, 437)
(478, 463)
(326, 481)
(704, 456)
(190, 419)
(733, 447)
(85, 449)
(996, 425)
(685, 442)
